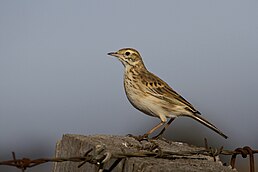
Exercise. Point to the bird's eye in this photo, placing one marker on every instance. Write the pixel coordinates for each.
(127, 53)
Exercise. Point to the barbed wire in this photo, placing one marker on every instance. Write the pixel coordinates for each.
(99, 156)
(246, 150)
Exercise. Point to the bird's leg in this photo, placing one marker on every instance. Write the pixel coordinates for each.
(146, 135)
(163, 130)
(153, 129)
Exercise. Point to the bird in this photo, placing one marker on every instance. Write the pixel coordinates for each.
(153, 96)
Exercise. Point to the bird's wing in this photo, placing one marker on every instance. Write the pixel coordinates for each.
(158, 88)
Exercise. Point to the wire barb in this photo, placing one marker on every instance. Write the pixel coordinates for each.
(214, 152)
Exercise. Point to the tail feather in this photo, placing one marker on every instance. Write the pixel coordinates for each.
(199, 118)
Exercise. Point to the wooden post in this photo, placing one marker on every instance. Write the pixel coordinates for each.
(77, 145)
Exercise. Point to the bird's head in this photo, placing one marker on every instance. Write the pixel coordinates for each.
(128, 56)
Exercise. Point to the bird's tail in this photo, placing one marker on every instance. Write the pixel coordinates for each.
(199, 118)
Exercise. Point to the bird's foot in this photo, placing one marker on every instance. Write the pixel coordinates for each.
(158, 136)
(140, 137)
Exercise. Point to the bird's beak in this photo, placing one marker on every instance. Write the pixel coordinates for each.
(112, 54)
(115, 54)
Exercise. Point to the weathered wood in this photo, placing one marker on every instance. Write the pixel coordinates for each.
(77, 145)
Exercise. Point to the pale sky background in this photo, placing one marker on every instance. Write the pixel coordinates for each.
(56, 78)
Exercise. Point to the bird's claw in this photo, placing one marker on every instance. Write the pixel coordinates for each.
(157, 137)
(140, 137)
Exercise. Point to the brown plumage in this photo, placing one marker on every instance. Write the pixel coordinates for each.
(151, 95)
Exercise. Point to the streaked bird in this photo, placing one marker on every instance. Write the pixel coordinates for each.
(152, 96)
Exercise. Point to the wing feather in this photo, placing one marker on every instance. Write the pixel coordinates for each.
(158, 88)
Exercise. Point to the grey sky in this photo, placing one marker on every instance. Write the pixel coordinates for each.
(56, 78)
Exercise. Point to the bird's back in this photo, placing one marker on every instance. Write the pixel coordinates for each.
(150, 94)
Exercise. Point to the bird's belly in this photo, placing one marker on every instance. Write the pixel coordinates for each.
(149, 105)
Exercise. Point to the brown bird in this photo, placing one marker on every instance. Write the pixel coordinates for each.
(151, 95)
